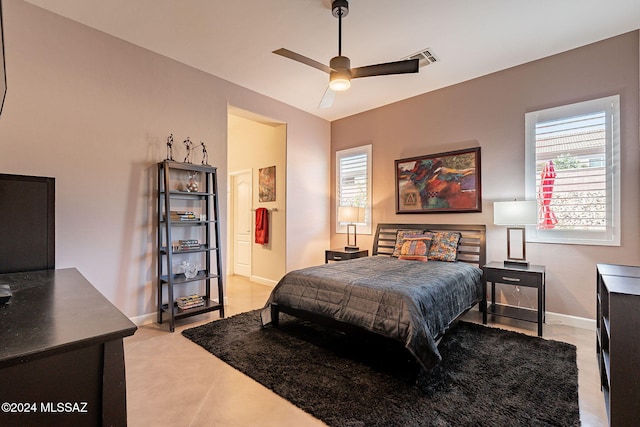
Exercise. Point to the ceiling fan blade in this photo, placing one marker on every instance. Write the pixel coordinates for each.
(398, 67)
(327, 98)
(303, 59)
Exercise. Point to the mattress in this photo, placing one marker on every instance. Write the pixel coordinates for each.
(408, 301)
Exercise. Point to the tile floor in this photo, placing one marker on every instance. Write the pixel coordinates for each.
(173, 382)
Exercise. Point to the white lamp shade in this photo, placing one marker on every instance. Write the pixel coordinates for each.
(351, 214)
(520, 212)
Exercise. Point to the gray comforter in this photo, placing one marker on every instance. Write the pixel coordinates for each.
(409, 301)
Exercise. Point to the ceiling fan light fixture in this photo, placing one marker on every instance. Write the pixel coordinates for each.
(339, 84)
(340, 76)
(340, 80)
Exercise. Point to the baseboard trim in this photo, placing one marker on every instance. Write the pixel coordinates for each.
(145, 319)
(263, 281)
(567, 320)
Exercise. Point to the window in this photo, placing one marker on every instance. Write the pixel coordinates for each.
(573, 171)
(353, 184)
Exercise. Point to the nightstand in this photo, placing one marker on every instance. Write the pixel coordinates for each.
(531, 276)
(342, 254)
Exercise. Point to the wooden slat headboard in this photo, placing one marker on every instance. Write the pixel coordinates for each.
(472, 247)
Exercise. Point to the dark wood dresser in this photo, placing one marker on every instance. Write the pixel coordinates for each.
(61, 352)
(618, 341)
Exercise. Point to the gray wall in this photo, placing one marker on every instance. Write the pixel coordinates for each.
(94, 112)
(489, 112)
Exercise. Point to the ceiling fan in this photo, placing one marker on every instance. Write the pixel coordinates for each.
(339, 69)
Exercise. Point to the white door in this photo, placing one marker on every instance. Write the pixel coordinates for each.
(242, 225)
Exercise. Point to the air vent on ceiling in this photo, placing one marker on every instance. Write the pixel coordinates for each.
(425, 57)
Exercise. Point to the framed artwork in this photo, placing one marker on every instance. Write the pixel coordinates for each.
(439, 183)
(267, 184)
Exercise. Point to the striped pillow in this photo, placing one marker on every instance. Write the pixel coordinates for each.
(400, 236)
(416, 248)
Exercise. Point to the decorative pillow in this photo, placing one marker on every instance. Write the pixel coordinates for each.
(444, 246)
(400, 236)
(416, 248)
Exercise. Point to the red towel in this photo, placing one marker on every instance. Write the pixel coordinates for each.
(262, 226)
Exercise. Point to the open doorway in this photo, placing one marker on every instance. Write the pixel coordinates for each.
(255, 143)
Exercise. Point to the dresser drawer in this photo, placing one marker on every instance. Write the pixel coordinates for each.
(513, 277)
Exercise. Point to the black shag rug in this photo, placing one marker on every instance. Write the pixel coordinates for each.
(488, 376)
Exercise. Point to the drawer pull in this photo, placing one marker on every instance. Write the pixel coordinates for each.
(337, 257)
(510, 279)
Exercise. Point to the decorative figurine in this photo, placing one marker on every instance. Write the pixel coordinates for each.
(170, 147)
(190, 147)
(187, 143)
(205, 155)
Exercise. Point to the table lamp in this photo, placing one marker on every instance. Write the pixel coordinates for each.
(516, 215)
(350, 215)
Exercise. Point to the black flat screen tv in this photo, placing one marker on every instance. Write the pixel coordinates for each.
(27, 223)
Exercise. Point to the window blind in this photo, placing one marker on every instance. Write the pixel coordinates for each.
(353, 180)
(353, 183)
(570, 171)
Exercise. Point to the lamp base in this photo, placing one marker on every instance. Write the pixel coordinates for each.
(351, 248)
(516, 263)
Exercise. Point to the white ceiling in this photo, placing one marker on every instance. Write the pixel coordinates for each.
(233, 39)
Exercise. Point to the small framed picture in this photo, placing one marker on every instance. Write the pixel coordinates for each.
(267, 184)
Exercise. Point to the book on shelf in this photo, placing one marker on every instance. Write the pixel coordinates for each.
(185, 245)
(182, 216)
(190, 301)
(188, 242)
(192, 305)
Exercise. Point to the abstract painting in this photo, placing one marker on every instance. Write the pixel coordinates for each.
(439, 183)
(267, 184)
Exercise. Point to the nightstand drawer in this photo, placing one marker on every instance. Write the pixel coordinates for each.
(514, 277)
(344, 254)
(338, 256)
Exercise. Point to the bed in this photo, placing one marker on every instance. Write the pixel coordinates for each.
(405, 300)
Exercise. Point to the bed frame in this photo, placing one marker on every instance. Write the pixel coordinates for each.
(471, 249)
